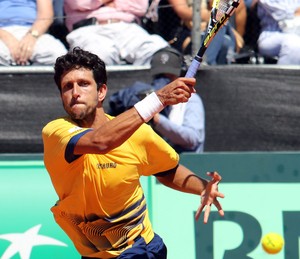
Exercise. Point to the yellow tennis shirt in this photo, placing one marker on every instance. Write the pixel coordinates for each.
(101, 204)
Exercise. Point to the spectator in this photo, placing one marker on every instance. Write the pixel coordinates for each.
(114, 33)
(175, 24)
(181, 125)
(275, 40)
(23, 33)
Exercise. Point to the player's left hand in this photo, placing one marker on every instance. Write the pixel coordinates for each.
(209, 196)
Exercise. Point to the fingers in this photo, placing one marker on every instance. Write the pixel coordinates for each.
(209, 197)
(208, 210)
(206, 214)
(182, 93)
(25, 55)
(220, 195)
(219, 207)
(26, 46)
(178, 91)
(199, 211)
(188, 82)
(216, 177)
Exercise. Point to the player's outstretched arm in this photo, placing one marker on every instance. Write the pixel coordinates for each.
(186, 181)
(113, 133)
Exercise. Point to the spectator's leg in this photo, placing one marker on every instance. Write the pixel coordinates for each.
(136, 45)
(98, 39)
(290, 50)
(5, 57)
(47, 50)
(269, 43)
(214, 48)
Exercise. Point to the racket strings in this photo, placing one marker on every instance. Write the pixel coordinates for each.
(221, 8)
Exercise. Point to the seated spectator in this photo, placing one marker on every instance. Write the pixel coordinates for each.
(181, 125)
(175, 25)
(175, 21)
(23, 33)
(110, 29)
(276, 39)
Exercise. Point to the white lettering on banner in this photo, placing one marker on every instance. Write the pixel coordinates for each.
(23, 243)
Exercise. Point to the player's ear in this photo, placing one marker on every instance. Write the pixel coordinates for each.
(102, 92)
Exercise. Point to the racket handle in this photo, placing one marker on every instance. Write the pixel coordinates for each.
(193, 67)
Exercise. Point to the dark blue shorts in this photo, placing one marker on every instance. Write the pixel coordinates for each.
(156, 249)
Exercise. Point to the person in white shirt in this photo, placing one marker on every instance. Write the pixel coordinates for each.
(277, 38)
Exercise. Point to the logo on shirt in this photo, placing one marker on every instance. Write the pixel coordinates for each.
(106, 165)
(74, 129)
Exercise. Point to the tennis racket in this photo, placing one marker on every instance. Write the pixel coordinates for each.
(221, 11)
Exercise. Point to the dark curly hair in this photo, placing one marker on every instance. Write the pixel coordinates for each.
(79, 58)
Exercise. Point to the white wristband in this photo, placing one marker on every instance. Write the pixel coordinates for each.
(149, 106)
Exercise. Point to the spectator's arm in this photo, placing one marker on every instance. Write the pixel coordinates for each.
(44, 18)
(185, 12)
(241, 18)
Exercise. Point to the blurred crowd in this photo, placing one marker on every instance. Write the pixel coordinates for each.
(157, 33)
(36, 32)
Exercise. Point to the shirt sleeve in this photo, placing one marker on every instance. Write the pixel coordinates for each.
(279, 10)
(69, 153)
(156, 154)
(56, 138)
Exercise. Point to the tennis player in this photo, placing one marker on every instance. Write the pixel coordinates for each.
(95, 162)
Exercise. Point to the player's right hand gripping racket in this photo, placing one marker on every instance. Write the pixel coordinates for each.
(221, 11)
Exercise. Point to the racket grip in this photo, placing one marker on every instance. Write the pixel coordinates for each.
(193, 67)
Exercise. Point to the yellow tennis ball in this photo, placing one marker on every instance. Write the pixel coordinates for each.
(272, 243)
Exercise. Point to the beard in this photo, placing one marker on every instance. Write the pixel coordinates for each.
(82, 117)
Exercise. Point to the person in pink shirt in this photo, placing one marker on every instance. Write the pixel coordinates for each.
(110, 29)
